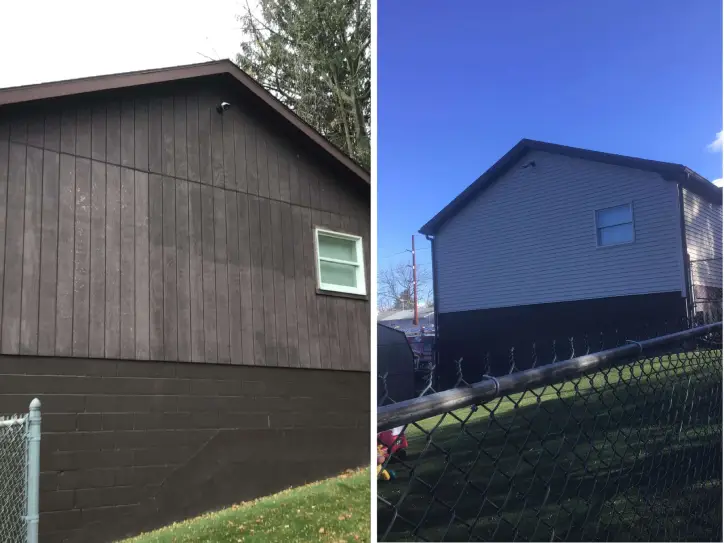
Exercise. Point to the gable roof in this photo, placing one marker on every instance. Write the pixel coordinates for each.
(71, 87)
(668, 170)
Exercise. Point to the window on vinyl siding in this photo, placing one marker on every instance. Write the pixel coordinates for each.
(340, 262)
(614, 225)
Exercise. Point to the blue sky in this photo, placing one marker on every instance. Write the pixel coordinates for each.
(459, 83)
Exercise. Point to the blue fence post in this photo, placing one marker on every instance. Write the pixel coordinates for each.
(33, 489)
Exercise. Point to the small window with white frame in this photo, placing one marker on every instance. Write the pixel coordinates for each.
(615, 225)
(340, 262)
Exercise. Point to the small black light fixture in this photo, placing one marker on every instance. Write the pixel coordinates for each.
(530, 164)
(223, 106)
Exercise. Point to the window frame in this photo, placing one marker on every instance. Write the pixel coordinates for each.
(597, 228)
(327, 288)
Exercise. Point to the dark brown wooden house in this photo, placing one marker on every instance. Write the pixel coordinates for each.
(184, 286)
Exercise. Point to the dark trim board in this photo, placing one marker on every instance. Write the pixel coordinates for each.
(686, 265)
(436, 304)
(129, 446)
(484, 338)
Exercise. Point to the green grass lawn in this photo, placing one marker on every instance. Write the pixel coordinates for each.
(335, 510)
(632, 453)
(647, 373)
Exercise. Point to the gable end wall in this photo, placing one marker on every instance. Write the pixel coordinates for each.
(144, 225)
(530, 238)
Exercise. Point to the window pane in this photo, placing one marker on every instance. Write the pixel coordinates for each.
(338, 248)
(613, 216)
(332, 273)
(622, 233)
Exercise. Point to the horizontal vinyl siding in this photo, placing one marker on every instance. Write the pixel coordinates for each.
(530, 238)
(703, 223)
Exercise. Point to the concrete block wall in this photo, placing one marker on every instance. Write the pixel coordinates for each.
(128, 446)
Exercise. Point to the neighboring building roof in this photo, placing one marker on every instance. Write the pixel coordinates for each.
(402, 319)
(404, 314)
(44, 91)
(668, 170)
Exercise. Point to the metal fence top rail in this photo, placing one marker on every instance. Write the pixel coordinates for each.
(13, 421)
(406, 412)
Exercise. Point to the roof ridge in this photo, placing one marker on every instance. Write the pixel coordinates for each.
(146, 71)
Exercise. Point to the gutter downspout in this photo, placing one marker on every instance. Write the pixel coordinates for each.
(436, 306)
(685, 254)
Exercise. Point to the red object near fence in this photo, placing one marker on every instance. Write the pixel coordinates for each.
(393, 440)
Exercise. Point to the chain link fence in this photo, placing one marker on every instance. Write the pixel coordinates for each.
(624, 444)
(705, 278)
(19, 476)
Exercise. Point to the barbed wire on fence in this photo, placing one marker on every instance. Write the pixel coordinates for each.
(617, 444)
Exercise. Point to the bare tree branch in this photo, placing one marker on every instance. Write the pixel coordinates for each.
(395, 286)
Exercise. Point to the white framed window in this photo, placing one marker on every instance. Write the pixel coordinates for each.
(615, 225)
(340, 262)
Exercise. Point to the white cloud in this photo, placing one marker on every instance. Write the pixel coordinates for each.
(719, 182)
(716, 145)
(52, 40)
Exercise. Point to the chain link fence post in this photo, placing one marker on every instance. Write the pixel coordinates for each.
(33, 491)
(20, 476)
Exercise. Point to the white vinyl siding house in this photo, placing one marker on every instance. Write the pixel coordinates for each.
(554, 245)
(703, 229)
(534, 236)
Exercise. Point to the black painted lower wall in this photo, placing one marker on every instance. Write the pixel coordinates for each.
(490, 340)
(130, 446)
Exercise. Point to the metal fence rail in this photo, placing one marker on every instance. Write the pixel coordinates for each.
(19, 476)
(624, 444)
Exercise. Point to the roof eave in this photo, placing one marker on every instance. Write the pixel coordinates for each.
(516, 153)
(669, 171)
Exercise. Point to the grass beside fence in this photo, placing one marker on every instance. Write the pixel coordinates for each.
(588, 459)
(335, 510)
(645, 373)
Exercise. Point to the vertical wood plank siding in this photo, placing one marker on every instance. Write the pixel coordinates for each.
(49, 253)
(96, 337)
(151, 227)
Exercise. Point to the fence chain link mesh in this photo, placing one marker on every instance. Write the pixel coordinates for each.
(13, 478)
(629, 451)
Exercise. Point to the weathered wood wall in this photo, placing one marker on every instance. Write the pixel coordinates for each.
(145, 225)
